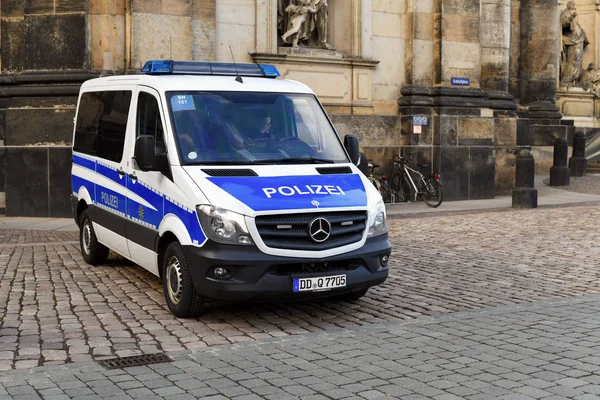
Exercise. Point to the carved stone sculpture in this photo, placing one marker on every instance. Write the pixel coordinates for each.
(303, 23)
(298, 15)
(574, 41)
(590, 80)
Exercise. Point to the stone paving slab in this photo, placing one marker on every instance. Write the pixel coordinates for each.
(540, 350)
(56, 309)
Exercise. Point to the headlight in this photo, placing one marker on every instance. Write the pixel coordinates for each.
(377, 220)
(224, 226)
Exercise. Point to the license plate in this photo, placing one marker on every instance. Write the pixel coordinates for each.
(319, 283)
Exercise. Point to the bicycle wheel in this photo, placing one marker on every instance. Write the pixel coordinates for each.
(433, 194)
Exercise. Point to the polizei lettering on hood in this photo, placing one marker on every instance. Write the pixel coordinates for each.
(298, 190)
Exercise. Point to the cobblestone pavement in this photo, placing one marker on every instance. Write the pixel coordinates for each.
(543, 350)
(55, 309)
(589, 184)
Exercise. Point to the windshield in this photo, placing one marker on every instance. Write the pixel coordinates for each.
(252, 128)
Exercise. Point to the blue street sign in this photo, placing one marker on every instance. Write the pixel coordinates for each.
(419, 120)
(461, 81)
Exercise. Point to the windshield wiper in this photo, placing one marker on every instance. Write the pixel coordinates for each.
(312, 160)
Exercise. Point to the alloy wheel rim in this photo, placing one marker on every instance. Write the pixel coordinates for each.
(174, 284)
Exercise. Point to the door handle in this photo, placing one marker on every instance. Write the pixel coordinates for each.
(121, 172)
(133, 177)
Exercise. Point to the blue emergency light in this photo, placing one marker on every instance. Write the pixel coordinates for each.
(170, 67)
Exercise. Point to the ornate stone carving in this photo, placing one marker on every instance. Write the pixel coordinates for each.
(590, 80)
(303, 23)
(574, 41)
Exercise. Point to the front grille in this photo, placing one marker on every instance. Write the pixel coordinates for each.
(229, 172)
(291, 231)
(333, 267)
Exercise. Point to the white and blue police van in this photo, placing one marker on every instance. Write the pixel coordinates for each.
(225, 181)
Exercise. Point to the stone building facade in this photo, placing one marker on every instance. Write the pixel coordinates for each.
(481, 76)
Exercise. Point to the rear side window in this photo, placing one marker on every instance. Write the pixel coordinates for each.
(102, 123)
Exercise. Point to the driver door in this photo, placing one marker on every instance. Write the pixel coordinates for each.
(145, 205)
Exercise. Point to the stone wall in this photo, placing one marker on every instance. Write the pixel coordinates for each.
(37, 108)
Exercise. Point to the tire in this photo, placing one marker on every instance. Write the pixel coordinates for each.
(353, 296)
(180, 294)
(433, 194)
(92, 250)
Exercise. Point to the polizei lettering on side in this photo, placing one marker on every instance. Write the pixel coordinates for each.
(303, 190)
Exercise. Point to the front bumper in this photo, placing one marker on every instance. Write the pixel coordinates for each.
(258, 276)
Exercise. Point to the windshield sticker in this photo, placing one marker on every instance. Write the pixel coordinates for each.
(192, 155)
(183, 102)
(295, 192)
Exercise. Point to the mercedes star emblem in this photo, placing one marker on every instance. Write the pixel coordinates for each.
(319, 230)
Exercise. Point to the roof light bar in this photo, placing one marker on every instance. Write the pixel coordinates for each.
(168, 67)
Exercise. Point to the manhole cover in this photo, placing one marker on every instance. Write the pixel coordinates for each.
(134, 361)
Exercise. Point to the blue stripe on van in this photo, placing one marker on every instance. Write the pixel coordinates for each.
(84, 162)
(126, 207)
(189, 218)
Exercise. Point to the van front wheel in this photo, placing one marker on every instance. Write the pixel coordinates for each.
(92, 250)
(181, 296)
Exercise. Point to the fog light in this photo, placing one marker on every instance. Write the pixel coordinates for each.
(384, 260)
(243, 239)
(221, 273)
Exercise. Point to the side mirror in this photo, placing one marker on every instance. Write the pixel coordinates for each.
(144, 153)
(351, 145)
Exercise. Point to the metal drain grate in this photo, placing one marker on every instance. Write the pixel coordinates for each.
(134, 361)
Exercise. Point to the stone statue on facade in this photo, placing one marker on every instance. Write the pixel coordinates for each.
(303, 23)
(590, 80)
(574, 41)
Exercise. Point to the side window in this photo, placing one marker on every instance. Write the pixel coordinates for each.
(149, 122)
(102, 123)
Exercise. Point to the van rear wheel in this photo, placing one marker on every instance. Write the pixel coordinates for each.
(92, 250)
(180, 294)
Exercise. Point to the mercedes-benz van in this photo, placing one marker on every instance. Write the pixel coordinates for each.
(225, 181)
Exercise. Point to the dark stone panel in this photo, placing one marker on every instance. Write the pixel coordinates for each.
(55, 41)
(30, 126)
(2, 173)
(475, 142)
(383, 156)
(12, 8)
(523, 132)
(60, 182)
(421, 155)
(406, 135)
(545, 135)
(70, 6)
(454, 172)
(460, 111)
(483, 173)
(448, 131)
(26, 171)
(2, 124)
(12, 49)
(39, 6)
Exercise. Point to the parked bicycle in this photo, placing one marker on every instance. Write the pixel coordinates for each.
(409, 181)
(382, 184)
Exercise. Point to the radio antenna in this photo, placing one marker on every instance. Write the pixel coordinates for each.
(238, 78)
